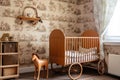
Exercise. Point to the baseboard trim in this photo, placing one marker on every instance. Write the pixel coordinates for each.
(26, 69)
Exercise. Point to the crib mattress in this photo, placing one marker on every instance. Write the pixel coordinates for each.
(77, 56)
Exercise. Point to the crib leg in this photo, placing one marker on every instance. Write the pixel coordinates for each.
(52, 66)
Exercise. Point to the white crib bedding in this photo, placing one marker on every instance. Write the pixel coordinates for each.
(80, 56)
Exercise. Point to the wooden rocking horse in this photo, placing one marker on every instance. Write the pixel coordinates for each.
(39, 63)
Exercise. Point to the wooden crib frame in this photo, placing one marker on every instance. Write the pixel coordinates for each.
(59, 44)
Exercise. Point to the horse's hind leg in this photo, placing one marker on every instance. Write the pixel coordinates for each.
(47, 70)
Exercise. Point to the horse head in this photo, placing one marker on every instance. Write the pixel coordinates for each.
(34, 56)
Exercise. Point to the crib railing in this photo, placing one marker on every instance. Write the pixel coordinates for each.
(81, 49)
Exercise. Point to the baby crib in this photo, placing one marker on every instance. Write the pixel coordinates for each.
(75, 50)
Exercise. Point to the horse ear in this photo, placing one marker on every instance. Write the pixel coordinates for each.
(33, 54)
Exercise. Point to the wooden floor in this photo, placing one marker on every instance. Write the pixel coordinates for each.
(88, 74)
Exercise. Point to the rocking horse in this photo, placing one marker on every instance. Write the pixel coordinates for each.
(39, 63)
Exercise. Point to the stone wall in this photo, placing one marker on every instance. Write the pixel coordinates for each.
(71, 16)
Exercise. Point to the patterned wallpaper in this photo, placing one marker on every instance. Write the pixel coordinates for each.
(71, 16)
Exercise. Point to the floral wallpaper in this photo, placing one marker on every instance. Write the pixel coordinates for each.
(71, 16)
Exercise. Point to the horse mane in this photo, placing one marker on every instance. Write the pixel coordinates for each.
(35, 54)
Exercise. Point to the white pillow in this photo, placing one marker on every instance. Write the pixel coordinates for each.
(86, 50)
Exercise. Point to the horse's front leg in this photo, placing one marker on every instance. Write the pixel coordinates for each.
(38, 77)
(35, 73)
